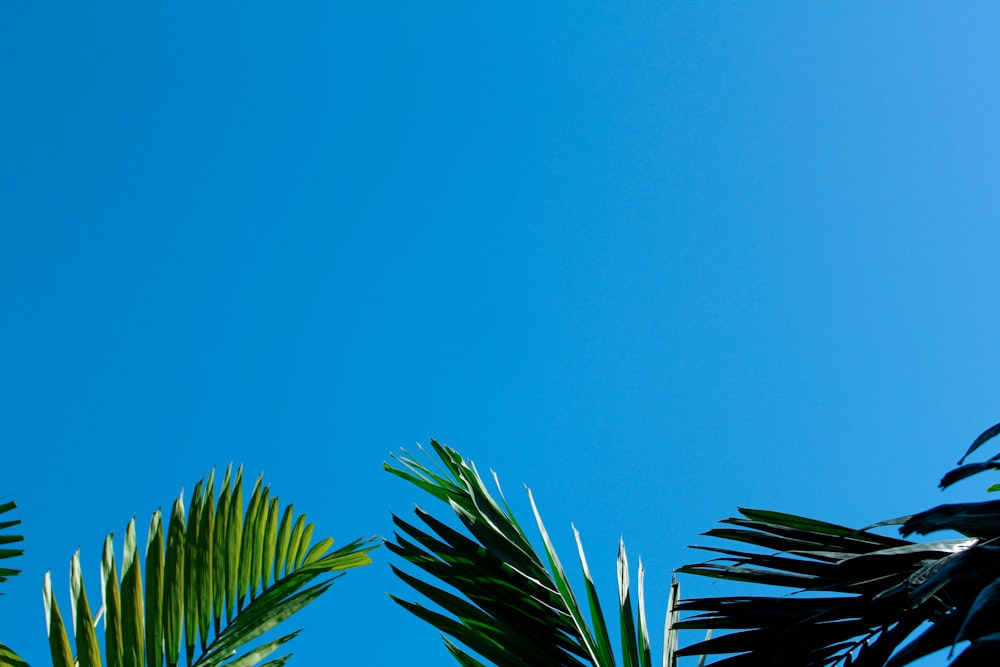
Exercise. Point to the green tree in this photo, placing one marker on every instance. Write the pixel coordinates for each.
(857, 597)
(214, 579)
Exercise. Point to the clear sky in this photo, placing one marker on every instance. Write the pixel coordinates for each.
(655, 259)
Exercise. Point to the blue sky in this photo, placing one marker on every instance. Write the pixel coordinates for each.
(657, 260)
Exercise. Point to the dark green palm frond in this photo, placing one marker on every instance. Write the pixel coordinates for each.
(858, 598)
(6, 540)
(965, 470)
(857, 595)
(981, 439)
(500, 598)
(210, 585)
(7, 656)
(981, 520)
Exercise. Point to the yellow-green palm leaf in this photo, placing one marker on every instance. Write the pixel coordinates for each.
(211, 583)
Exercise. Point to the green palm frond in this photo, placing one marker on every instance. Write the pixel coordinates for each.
(6, 540)
(10, 659)
(501, 599)
(212, 582)
(7, 656)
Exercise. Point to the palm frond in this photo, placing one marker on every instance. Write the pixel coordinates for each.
(501, 598)
(216, 581)
(965, 470)
(7, 656)
(10, 659)
(981, 439)
(858, 597)
(851, 604)
(6, 540)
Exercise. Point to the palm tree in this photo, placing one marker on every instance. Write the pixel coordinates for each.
(858, 598)
(214, 579)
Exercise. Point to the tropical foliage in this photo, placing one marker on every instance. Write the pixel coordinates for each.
(851, 597)
(862, 598)
(8, 551)
(215, 578)
(502, 602)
